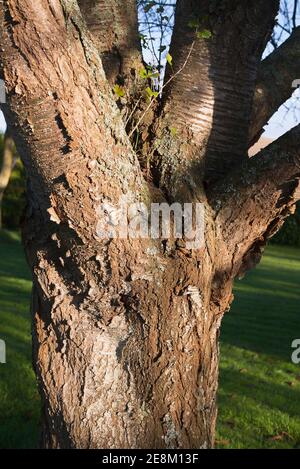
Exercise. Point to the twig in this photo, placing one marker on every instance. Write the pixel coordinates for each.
(133, 111)
(294, 17)
(182, 68)
(165, 84)
(142, 117)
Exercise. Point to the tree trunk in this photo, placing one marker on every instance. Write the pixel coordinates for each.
(135, 366)
(114, 25)
(125, 331)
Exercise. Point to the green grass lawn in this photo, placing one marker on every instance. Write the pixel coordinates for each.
(259, 396)
(19, 402)
(259, 405)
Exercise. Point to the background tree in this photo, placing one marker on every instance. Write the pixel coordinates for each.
(8, 161)
(13, 197)
(126, 332)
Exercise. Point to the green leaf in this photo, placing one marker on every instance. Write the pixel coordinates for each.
(173, 131)
(119, 91)
(169, 59)
(144, 41)
(148, 73)
(143, 73)
(151, 93)
(148, 6)
(194, 23)
(205, 34)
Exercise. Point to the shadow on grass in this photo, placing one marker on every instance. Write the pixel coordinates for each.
(262, 392)
(265, 317)
(259, 408)
(259, 385)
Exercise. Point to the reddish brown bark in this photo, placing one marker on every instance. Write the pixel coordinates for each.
(254, 201)
(114, 26)
(126, 331)
(210, 101)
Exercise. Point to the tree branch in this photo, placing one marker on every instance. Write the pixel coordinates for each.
(253, 203)
(274, 83)
(209, 103)
(114, 26)
(61, 112)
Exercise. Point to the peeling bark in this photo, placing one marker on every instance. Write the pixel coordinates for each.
(116, 334)
(114, 26)
(253, 202)
(210, 101)
(125, 332)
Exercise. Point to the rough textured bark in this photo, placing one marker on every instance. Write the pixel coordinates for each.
(114, 26)
(7, 167)
(209, 102)
(125, 332)
(106, 320)
(274, 83)
(254, 201)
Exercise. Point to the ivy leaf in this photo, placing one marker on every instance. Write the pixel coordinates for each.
(148, 6)
(148, 73)
(173, 131)
(194, 23)
(144, 40)
(205, 34)
(119, 91)
(169, 59)
(151, 93)
(143, 73)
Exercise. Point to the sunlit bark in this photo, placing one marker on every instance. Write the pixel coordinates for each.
(125, 332)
